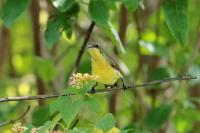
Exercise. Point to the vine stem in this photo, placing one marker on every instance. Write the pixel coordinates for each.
(39, 97)
(82, 49)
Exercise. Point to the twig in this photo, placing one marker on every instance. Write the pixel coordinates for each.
(37, 97)
(81, 51)
(14, 120)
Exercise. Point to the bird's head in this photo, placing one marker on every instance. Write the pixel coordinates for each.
(93, 49)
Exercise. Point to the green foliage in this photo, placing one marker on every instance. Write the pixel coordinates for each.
(63, 5)
(158, 116)
(115, 38)
(46, 70)
(131, 5)
(76, 130)
(185, 118)
(176, 16)
(42, 112)
(59, 23)
(151, 54)
(106, 122)
(159, 73)
(92, 103)
(66, 107)
(45, 128)
(84, 89)
(12, 9)
(99, 12)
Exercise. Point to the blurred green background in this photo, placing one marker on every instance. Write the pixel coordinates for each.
(37, 58)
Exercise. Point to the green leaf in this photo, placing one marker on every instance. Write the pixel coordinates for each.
(58, 104)
(45, 128)
(12, 9)
(29, 128)
(46, 70)
(184, 119)
(66, 107)
(55, 26)
(72, 90)
(158, 116)
(79, 130)
(63, 5)
(127, 131)
(59, 23)
(69, 110)
(111, 4)
(106, 123)
(41, 112)
(99, 12)
(131, 5)
(55, 120)
(159, 73)
(152, 48)
(82, 90)
(87, 87)
(115, 38)
(92, 103)
(176, 16)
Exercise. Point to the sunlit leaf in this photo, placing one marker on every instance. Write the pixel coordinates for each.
(115, 38)
(184, 119)
(12, 9)
(176, 16)
(106, 123)
(63, 5)
(45, 128)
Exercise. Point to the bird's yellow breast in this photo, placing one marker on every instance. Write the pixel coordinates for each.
(101, 68)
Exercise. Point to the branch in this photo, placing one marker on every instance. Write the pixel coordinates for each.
(81, 51)
(37, 97)
(14, 120)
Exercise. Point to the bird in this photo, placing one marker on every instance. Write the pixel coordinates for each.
(105, 72)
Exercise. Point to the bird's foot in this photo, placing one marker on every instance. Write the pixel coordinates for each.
(124, 87)
(93, 90)
(107, 86)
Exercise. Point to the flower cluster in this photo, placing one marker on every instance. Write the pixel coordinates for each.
(18, 128)
(79, 79)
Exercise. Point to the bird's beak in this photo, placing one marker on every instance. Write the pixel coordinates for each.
(90, 46)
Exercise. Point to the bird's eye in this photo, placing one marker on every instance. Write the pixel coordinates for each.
(93, 45)
(96, 46)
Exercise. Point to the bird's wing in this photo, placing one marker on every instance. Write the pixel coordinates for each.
(112, 62)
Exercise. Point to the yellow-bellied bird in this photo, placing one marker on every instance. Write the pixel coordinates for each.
(102, 69)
